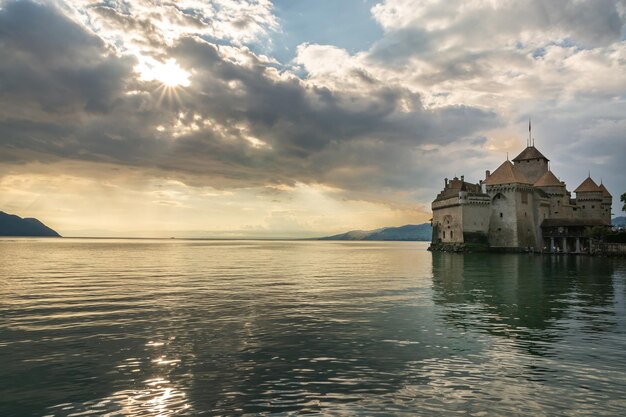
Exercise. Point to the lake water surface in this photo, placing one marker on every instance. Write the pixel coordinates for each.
(179, 327)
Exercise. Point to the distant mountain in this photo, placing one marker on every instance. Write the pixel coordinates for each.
(12, 225)
(619, 221)
(410, 232)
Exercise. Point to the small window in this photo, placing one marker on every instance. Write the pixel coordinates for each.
(500, 215)
(499, 229)
(451, 234)
(583, 206)
(524, 214)
(444, 234)
(593, 206)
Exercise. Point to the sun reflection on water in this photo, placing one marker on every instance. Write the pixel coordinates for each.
(158, 398)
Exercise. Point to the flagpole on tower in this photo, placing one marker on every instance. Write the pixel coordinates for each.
(529, 131)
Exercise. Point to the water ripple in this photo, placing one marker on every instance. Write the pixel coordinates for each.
(163, 328)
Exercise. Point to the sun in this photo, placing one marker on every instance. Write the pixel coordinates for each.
(168, 73)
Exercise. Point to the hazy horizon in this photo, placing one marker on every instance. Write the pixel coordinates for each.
(291, 118)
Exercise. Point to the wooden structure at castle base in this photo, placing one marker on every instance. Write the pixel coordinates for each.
(569, 235)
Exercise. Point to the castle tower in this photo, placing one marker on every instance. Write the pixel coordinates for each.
(560, 206)
(589, 200)
(607, 202)
(531, 163)
(512, 214)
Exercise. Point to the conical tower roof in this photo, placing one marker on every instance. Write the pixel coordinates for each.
(529, 153)
(506, 174)
(605, 192)
(588, 186)
(548, 180)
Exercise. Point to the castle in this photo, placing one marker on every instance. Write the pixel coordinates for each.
(522, 205)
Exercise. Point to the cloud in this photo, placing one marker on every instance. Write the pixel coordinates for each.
(443, 92)
(242, 122)
(52, 65)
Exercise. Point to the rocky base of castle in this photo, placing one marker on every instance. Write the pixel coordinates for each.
(458, 247)
(597, 249)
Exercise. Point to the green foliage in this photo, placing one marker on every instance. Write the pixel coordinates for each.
(619, 237)
(599, 232)
(623, 200)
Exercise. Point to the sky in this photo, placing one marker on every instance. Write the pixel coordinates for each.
(295, 118)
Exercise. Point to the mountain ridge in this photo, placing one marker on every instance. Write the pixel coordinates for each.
(409, 232)
(13, 225)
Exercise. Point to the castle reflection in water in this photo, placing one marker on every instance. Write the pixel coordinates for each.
(527, 298)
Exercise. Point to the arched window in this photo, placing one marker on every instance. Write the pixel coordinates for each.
(501, 215)
(444, 234)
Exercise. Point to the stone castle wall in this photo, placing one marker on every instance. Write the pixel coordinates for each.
(589, 205)
(448, 222)
(502, 230)
(532, 169)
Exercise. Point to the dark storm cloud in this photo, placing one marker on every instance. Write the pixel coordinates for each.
(240, 123)
(51, 63)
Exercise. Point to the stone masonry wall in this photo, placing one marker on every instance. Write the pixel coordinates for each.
(447, 224)
(532, 169)
(503, 218)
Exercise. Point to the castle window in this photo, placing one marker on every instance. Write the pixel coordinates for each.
(500, 215)
(583, 206)
(593, 206)
(524, 214)
(444, 234)
(451, 234)
(499, 229)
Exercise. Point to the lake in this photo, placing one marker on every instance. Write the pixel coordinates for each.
(184, 327)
